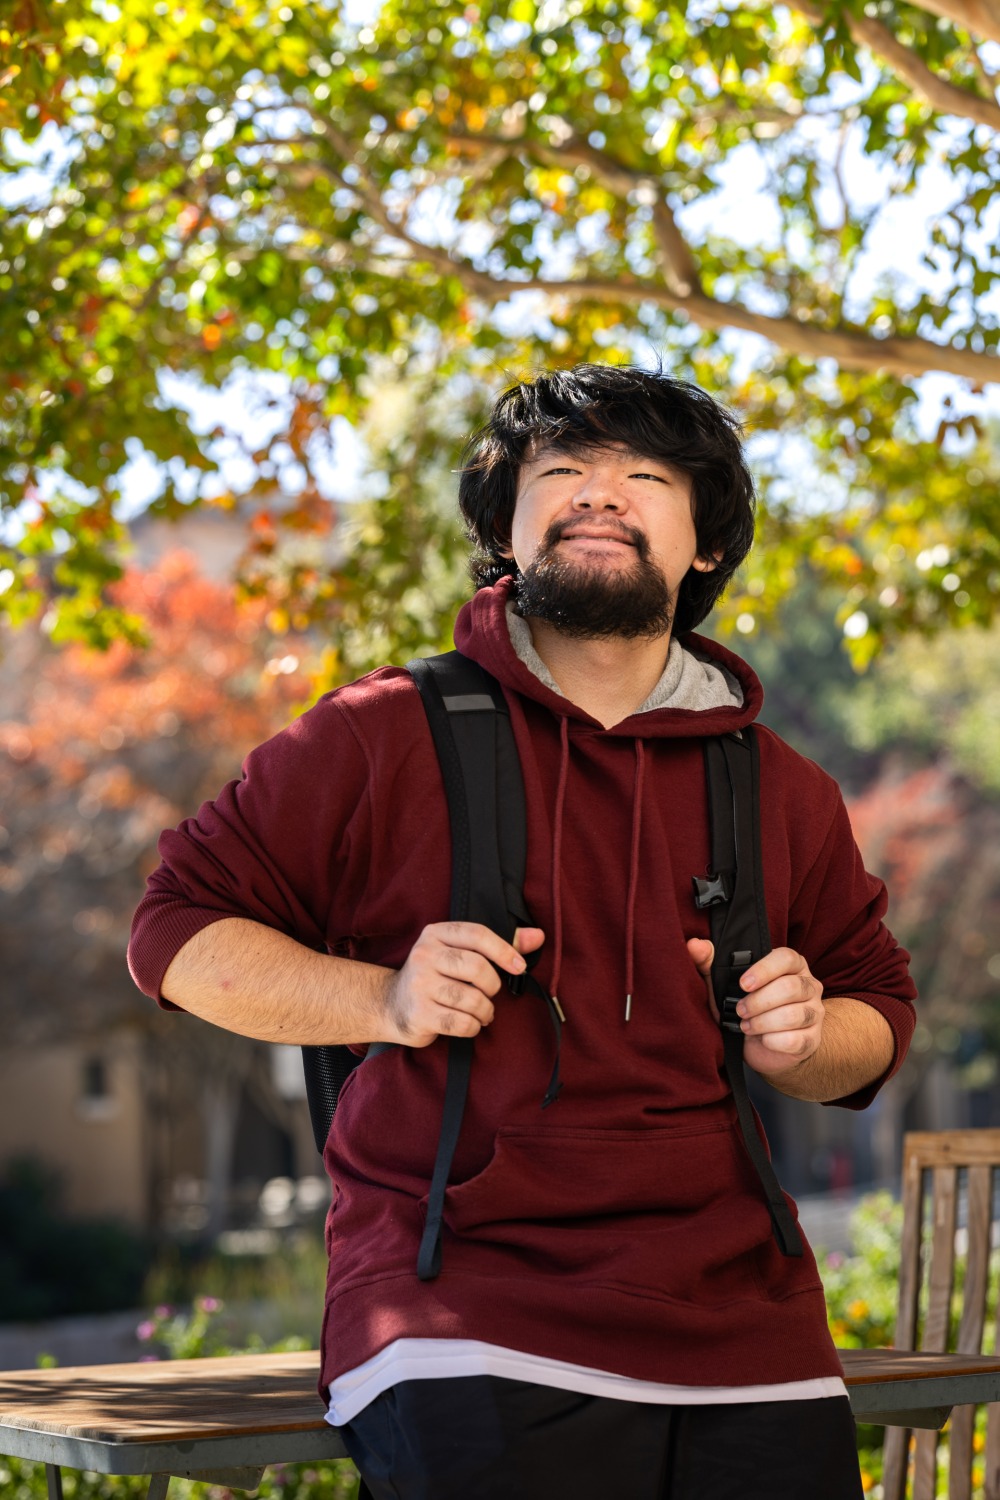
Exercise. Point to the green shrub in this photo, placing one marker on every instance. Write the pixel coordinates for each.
(293, 1269)
(337, 1480)
(52, 1266)
(862, 1288)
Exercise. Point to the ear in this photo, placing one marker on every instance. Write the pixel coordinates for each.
(707, 564)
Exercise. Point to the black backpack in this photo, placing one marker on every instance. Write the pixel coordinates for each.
(470, 725)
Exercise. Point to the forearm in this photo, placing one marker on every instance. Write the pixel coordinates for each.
(255, 981)
(856, 1048)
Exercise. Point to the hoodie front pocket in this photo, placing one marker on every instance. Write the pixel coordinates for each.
(674, 1213)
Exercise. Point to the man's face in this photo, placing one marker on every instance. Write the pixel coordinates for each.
(603, 541)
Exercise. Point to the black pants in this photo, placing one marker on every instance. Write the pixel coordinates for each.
(484, 1438)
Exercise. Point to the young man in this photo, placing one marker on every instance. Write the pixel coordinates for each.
(612, 1314)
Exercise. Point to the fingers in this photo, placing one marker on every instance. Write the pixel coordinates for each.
(785, 1019)
(779, 962)
(702, 952)
(460, 1010)
(424, 1004)
(446, 986)
(782, 1011)
(792, 997)
(527, 939)
(462, 964)
(475, 938)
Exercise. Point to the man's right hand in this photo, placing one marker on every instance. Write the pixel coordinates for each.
(447, 984)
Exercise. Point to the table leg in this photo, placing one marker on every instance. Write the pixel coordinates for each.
(158, 1484)
(53, 1481)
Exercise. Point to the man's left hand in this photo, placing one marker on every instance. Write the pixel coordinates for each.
(781, 1011)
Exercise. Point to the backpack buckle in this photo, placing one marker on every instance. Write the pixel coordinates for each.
(712, 890)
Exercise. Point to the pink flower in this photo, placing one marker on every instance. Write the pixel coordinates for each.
(835, 1259)
(163, 1311)
(145, 1331)
(148, 1359)
(207, 1304)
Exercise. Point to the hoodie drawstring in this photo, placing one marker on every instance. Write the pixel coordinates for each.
(633, 877)
(557, 863)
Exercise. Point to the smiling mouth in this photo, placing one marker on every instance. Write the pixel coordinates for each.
(589, 536)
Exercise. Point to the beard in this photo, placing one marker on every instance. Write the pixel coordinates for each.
(594, 603)
(589, 602)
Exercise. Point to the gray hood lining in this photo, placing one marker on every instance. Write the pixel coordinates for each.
(687, 681)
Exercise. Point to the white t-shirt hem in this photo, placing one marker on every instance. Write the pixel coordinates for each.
(431, 1359)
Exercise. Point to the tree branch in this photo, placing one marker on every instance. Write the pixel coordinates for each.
(680, 270)
(679, 267)
(948, 98)
(977, 17)
(853, 349)
(369, 194)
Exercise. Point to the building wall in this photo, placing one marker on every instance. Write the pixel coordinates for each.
(78, 1109)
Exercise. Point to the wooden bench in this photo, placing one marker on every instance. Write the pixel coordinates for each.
(942, 1169)
(225, 1420)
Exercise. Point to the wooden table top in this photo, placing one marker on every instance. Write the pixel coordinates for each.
(871, 1366)
(167, 1400)
(192, 1399)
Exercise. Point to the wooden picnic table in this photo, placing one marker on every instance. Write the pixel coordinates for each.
(224, 1420)
(227, 1419)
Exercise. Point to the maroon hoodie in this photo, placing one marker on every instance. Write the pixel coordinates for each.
(624, 1227)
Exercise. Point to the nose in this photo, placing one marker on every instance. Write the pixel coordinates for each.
(598, 492)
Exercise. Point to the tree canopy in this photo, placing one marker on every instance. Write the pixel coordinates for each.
(432, 197)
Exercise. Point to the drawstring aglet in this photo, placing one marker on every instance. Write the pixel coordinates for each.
(558, 1008)
(628, 1007)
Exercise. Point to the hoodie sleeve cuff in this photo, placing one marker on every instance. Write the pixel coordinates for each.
(161, 927)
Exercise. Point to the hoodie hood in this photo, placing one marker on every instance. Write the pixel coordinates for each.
(698, 671)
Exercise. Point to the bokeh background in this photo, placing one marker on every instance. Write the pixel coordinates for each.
(263, 266)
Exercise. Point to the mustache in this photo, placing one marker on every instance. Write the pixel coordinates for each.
(630, 534)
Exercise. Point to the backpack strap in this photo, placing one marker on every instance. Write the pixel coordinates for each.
(468, 716)
(733, 895)
(462, 704)
(470, 725)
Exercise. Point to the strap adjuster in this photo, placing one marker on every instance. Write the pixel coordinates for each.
(728, 976)
(729, 1018)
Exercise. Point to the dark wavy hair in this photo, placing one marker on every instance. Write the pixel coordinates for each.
(596, 406)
